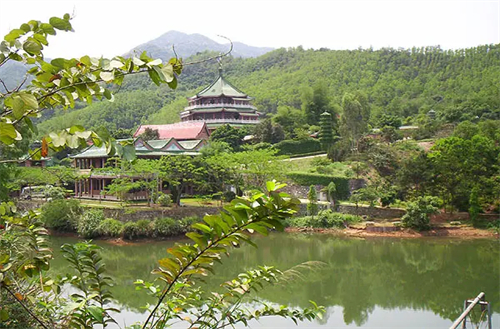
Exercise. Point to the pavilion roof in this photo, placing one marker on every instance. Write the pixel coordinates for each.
(221, 87)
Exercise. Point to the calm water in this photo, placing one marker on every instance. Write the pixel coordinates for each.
(374, 283)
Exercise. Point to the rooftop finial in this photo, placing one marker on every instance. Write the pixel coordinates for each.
(219, 60)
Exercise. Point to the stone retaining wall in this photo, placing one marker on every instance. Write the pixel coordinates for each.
(126, 215)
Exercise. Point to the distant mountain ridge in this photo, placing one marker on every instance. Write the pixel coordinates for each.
(191, 44)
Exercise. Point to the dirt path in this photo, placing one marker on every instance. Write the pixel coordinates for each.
(459, 232)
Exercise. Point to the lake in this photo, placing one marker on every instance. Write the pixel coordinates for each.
(372, 283)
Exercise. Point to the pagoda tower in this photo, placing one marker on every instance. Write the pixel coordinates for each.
(219, 104)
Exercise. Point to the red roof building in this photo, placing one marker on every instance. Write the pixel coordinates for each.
(180, 131)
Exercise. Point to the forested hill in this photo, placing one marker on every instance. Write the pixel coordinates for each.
(458, 85)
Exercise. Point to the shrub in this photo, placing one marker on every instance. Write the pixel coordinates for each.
(301, 146)
(164, 200)
(136, 230)
(186, 223)
(61, 214)
(166, 227)
(55, 192)
(111, 228)
(89, 222)
(325, 219)
(418, 212)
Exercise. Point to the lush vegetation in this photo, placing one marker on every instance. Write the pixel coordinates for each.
(297, 85)
(324, 219)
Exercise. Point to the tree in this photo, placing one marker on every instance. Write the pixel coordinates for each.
(354, 118)
(315, 101)
(418, 212)
(230, 135)
(268, 132)
(291, 120)
(331, 191)
(312, 205)
(150, 134)
(180, 172)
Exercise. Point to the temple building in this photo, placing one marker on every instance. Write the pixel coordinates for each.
(93, 182)
(221, 103)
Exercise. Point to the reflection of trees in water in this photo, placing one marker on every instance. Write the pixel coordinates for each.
(420, 274)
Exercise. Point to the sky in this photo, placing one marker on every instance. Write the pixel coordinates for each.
(113, 27)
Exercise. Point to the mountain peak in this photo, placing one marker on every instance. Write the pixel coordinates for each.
(190, 44)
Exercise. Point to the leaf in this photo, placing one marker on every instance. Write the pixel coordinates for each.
(114, 64)
(107, 76)
(96, 312)
(60, 24)
(47, 28)
(7, 130)
(168, 72)
(58, 62)
(4, 315)
(32, 47)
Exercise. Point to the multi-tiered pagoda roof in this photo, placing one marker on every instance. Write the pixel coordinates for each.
(221, 103)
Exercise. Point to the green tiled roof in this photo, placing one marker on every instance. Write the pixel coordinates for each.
(189, 145)
(159, 143)
(187, 148)
(221, 87)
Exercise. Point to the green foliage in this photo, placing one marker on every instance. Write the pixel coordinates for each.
(230, 135)
(166, 227)
(137, 230)
(62, 82)
(301, 146)
(110, 228)
(164, 200)
(418, 212)
(312, 205)
(315, 101)
(88, 306)
(150, 134)
(292, 120)
(389, 120)
(355, 116)
(90, 222)
(390, 134)
(61, 214)
(268, 132)
(474, 206)
(325, 219)
(306, 179)
(55, 192)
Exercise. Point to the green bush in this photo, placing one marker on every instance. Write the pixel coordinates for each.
(418, 212)
(186, 223)
(307, 179)
(61, 214)
(325, 219)
(289, 147)
(137, 230)
(164, 200)
(89, 222)
(166, 227)
(110, 228)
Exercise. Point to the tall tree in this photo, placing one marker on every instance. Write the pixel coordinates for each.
(315, 101)
(355, 116)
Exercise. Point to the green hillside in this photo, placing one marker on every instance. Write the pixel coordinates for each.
(458, 85)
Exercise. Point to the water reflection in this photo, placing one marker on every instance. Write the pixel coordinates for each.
(367, 281)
